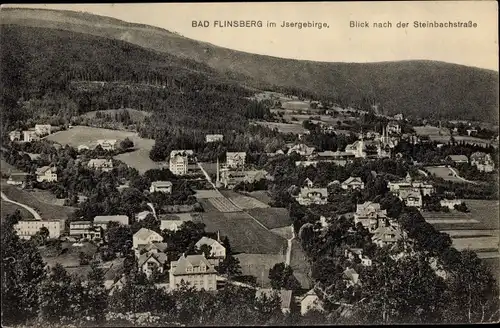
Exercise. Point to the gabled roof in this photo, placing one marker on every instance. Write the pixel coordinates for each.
(352, 275)
(44, 169)
(179, 267)
(161, 183)
(206, 241)
(284, 294)
(161, 247)
(159, 257)
(305, 192)
(353, 180)
(144, 234)
(311, 292)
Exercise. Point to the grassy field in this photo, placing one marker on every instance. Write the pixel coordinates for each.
(444, 173)
(430, 130)
(476, 243)
(243, 202)
(7, 168)
(285, 232)
(47, 211)
(223, 205)
(271, 217)
(245, 235)
(295, 128)
(84, 135)
(300, 265)
(258, 265)
(9, 208)
(68, 256)
(261, 195)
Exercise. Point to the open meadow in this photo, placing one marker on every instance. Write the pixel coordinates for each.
(258, 265)
(444, 173)
(242, 201)
(47, 211)
(271, 217)
(88, 136)
(9, 208)
(295, 128)
(300, 265)
(244, 233)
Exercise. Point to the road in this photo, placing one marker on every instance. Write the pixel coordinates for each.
(29, 209)
(455, 174)
(289, 249)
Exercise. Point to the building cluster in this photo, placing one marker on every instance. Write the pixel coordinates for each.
(33, 134)
(179, 161)
(411, 192)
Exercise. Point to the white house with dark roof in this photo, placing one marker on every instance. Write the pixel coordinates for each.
(387, 234)
(144, 237)
(412, 198)
(107, 144)
(217, 249)
(353, 183)
(302, 150)
(27, 228)
(30, 135)
(194, 270)
(46, 173)
(152, 260)
(15, 135)
(178, 164)
(482, 161)
(161, 186)
(369, 214)
(457, 159)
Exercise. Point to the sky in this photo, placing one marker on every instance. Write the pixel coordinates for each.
(339, 42)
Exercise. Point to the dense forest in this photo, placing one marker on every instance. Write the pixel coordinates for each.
(425, 89)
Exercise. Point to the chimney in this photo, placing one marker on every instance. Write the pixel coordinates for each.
(218, 236)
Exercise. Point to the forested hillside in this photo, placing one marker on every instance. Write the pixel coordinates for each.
(54, 72)
(420, 88)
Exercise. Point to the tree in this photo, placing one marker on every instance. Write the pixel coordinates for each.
(22, 273)
(54, 294)
(126, 144)
(118, 237)
(96, 295)
(281, 276)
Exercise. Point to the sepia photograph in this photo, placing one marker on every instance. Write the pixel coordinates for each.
(249, 164)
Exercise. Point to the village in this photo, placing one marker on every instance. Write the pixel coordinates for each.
(199, 264)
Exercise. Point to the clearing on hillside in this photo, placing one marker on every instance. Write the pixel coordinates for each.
(244, 233)
(88, 136)
(272, 217)
(258, 265)
(242, 201)
(8, 208)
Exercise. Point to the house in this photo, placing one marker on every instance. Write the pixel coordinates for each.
(357, 149)
(235, 159)
(152, 260)
(103, 220)
(30, 135)
(302, 150)
(457, 159)
(398, 117)
(284, 295)
(171, 225)
(450, 203)
(352, 276)
(104, 165)
(353, 183)
(471, 132)
(43, 129)
(369, 214)
(178, 164)
(161, 186)
(214, 137)
(393, 128)
(107, 144)
(145, 236)
(17, 179)
(194, 270)
(217, 250)
(310, 301)
(27, 228)
(482, 161)
(411, 198)
(308, 196)
(85, 229)
(308, 183)
(387, 234)
(15, 136)
(46, 173)
(142, 215)
(82, 148)
(408, 184)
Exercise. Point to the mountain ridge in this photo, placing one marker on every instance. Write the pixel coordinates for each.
(414, 87)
